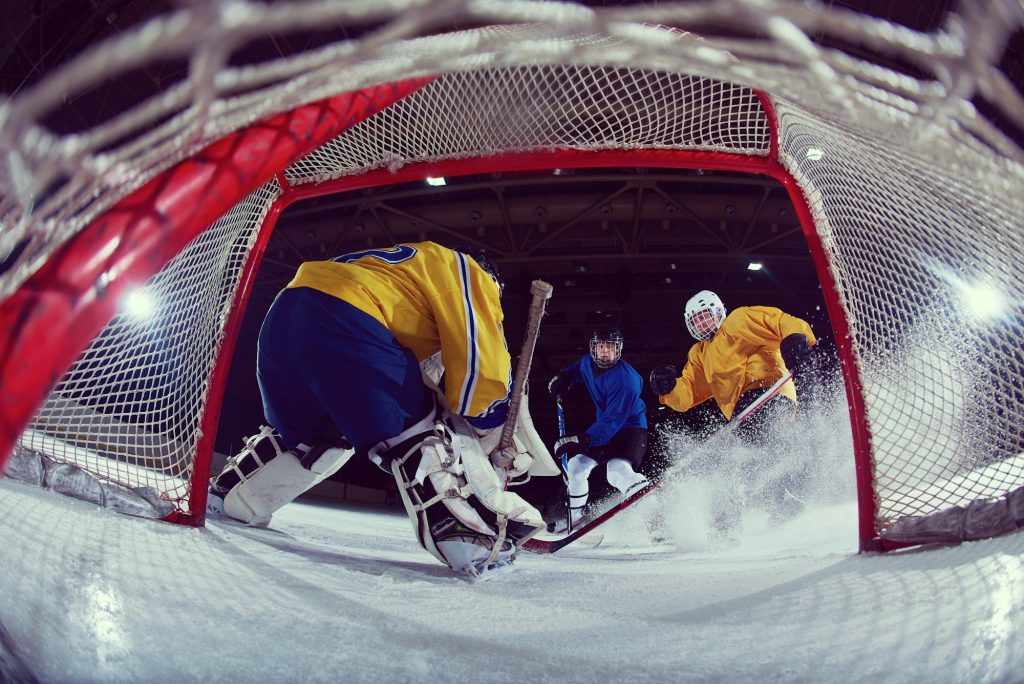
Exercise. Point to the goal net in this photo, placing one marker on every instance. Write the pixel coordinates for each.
(908, 195)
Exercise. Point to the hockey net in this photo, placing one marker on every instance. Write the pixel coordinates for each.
(908, 196)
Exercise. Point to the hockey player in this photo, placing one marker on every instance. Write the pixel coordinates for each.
(618, 436)
(736, 356)
(344, 340)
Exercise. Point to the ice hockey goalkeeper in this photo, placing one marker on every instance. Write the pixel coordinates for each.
(345, 340)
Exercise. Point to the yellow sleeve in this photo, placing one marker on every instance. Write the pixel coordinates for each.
(768, 323)
(691, 387)
(478, 369)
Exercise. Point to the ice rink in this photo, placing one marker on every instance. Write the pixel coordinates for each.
(346, 595)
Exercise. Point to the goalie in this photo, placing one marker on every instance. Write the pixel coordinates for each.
(345, 340)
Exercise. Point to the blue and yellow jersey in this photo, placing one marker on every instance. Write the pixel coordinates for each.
(742, 356)
(431, 298)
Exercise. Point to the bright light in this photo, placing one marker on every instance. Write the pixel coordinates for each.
(435, 181)
(983, 301)
(754, 266)
(815, 154)
(140, 304)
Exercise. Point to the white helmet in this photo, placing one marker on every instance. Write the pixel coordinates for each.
(704, 314)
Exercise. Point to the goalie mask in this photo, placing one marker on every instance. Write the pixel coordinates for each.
(606, 347)
(483, 261)
(704, 315)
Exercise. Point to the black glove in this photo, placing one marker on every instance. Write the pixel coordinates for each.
(558, 385)
(663, 378)
(571, 445)
(795, 351)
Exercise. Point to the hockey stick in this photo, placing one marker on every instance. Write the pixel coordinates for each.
(553, 545)
(541, 292)
(760, 401)
(564, 461)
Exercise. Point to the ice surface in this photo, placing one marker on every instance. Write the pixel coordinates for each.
(337, 594)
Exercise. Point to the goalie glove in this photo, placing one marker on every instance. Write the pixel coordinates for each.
(572, 445)
(663, 379)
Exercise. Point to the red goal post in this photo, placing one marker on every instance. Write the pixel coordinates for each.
(884, 200)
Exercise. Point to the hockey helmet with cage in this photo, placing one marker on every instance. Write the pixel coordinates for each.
(483, 260)
(607, 336)
(704, 315)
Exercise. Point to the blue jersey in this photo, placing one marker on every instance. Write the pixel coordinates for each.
(616, 395)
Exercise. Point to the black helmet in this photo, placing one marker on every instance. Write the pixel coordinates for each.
(479, 255)
(608, 335)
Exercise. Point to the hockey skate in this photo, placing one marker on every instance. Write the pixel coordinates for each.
(558, 521)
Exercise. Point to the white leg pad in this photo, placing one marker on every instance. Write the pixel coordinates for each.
(436, 464)
(278, 482)
(485, 483)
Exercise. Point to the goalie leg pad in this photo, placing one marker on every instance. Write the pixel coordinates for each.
(477, 528)
(262, 485)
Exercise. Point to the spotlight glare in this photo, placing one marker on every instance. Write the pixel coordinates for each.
(984, 301)
(435, 181)
(755, 266)
(139, 304)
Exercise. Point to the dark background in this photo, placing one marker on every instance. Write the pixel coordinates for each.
(622, 246)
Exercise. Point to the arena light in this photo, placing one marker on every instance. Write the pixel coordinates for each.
(755, 266)
(983, 301)
(139, 304)
(435, 181)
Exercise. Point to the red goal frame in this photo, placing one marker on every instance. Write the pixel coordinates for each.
(78, 290)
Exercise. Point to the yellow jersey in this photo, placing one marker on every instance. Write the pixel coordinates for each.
(431, 298)
(742, 356)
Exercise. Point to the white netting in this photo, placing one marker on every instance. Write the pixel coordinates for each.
(129, 409)
(543, 107)
(912, 231)
(915, 196)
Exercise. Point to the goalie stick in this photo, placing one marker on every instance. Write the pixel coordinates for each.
(541, 292)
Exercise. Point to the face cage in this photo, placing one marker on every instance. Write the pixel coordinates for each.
(703, 324)
(615, 358)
